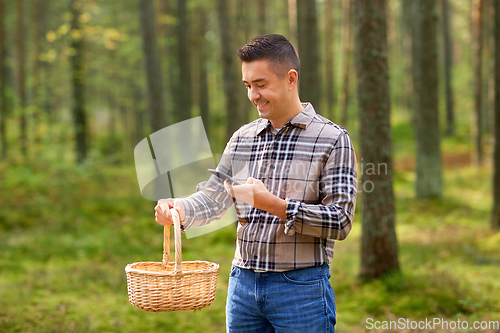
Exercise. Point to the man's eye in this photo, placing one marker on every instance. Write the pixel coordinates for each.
(262, 86)
(247, 87)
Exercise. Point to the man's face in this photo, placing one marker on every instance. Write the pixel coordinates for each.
(268, 92)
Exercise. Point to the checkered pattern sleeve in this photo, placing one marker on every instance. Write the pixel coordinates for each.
(332, 218)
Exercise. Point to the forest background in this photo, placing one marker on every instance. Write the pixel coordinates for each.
(82, 82)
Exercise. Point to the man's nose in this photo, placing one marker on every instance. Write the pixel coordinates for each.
(253, 95)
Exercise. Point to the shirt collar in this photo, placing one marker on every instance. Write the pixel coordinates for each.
(302, 120)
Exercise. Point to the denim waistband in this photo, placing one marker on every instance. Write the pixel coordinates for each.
(324, 266)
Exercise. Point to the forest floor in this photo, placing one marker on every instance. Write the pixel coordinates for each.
(450, 160)
(67, 233)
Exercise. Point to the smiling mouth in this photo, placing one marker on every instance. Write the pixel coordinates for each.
(261, 104)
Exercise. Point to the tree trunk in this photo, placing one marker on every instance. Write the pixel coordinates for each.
(379, 249)
(490, 64)
(495, 216)
(152, 65)
(344, 44)
(123, 141)
(183, 108)
(21, 78)
(329, 58)
(203, 99)
(3, 109)
(139, 112)
(261, 17)
(429, 179)
(477, 45)
(448, 62)
(244, 12)
(168, 58)
(235, 113)
(6, 85)
(39, 31)
(245, 22)
(414, 61)
(292, 21)
(78, 76)
(36, 71)
(3, 137)
(406, 35)
(309, 85)
(45, 102)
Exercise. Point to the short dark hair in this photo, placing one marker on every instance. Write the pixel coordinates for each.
(275, 48)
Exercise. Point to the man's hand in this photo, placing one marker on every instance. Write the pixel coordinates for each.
(162, 211)
(255, 193)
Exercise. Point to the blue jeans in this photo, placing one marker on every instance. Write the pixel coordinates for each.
(300, 300)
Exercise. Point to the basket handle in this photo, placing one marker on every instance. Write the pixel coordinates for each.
(178, 242)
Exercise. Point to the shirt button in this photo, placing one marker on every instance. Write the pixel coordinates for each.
(261, 226)
(255, 257)
(272, 167)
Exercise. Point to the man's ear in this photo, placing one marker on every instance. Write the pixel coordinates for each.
(293, 79)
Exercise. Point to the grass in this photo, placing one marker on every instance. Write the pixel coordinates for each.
(447, 253)
(67, 233)
(66, 236)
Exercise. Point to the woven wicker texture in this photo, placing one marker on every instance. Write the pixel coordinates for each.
(167, 286)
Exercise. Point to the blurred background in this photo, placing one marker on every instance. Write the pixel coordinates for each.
(83, 81)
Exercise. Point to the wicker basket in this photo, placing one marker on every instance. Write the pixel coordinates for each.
(165, 286)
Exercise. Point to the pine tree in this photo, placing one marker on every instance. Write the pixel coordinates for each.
(495, 217)
(309, 86)
(379, 249)
(429, 178)
(152, 65)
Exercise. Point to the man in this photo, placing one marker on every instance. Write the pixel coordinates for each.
(298, 198)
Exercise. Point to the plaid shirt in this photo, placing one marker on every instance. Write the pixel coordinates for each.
(311, 163)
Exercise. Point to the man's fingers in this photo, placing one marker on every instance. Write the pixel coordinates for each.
(162, 211)
(229, 187)
(180, 209)
(160, 218)
(165, 205)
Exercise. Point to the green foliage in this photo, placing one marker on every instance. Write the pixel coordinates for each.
(412, 294)
(66, 234)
